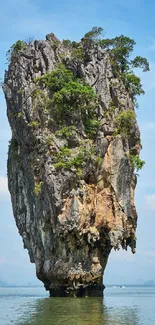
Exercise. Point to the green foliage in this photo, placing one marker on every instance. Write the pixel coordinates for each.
(20, 91)
(140, 62)
(49, 140)
(34, 124)
(71, 98)
(133, 84)
(37, 188)
(66, 43)
(91, 124)
(93, 36)
(121, 47)
(35, 93)
(40, 100)
(19, 115)
(66, 131)
(55, 44)
(63, 157)
(64, 152)
(136, 162)
(74, 99)
(124, 123)
(68, 159)
(76, 49)
(15, 49)
(77, 53)
(57, 79)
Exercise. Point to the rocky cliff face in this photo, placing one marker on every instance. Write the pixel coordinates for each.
(69, 221)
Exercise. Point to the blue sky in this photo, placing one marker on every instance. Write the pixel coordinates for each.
(21, 19)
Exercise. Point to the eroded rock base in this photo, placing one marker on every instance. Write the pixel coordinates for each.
(94, 290)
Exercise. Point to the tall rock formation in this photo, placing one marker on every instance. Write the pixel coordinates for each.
(72, 190)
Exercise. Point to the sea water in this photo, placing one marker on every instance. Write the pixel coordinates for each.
(120, 306)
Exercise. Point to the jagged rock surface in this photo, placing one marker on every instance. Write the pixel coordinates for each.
(70, 228)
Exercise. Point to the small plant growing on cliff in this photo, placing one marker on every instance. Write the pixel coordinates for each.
(34, 124)
(66, 43)
(68, 159)
(136, 162)
(66, 131)
(77, 53)
(37, 188)
(15, 49)
(91, 125)
(124, 123)
(20, 91)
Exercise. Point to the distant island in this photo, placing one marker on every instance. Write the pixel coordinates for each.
(28, 285)
(149, 283)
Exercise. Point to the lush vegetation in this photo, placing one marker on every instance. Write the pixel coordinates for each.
(75, 159)
(124, 123)
(66, 131)
(68, 101)
(57, 79)
(72, 99)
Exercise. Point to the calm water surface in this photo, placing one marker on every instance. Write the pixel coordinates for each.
(120, 306)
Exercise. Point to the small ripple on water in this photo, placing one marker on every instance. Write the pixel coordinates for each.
(30, 306)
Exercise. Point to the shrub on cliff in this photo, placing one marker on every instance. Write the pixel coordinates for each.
(124, 123)
(15, 49)
(132, 84)
(57, 79)
(136, 162)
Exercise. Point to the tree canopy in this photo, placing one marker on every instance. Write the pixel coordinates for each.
(120, 49)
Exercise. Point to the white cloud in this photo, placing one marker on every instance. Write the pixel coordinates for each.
(3, 185)
(150, 202)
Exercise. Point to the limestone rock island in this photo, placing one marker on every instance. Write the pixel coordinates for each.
(73, 155)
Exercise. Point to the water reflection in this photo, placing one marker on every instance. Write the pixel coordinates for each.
(70, 311)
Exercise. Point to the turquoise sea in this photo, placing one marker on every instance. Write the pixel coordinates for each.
(120, 306)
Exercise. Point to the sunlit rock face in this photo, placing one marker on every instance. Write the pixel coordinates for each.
(69, 224)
